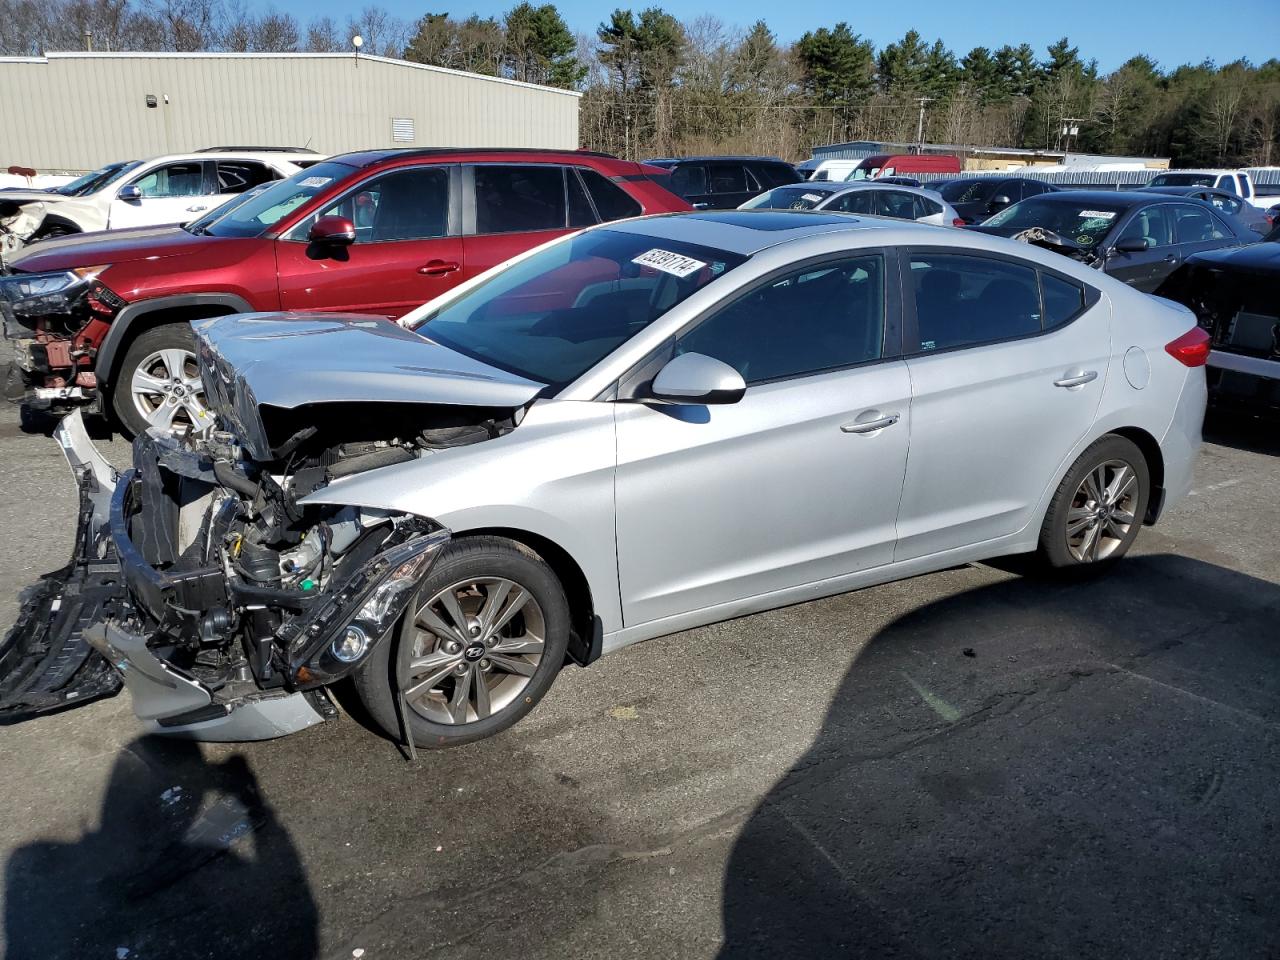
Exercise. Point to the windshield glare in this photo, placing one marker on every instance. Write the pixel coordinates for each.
(264, 210)
(92, 182)
(554, 316)
(1085, 223)
(787, 198)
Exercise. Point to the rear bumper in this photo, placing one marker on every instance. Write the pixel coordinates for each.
(1181, 442)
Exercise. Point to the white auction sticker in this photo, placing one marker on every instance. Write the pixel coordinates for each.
(811, 197)
(314, 181)
(1096, 215)
(668, 262)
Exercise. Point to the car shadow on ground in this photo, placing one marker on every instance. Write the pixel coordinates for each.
(187, 860)
(1242, 430)
(982, 787)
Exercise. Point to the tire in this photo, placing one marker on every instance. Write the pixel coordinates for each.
(53, 230)
(472, 570)
(155, 353)
(1086, 533)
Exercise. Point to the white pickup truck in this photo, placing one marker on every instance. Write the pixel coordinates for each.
(1238, 182)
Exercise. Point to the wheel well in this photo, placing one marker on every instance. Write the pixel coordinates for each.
(52, 219)
(584, 645)
(1155, 464)
(142, 322)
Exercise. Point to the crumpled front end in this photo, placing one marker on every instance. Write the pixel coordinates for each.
(202, 585)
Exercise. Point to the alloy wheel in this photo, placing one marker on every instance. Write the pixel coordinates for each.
(1102, 512)
(168, 393)
(473, 648)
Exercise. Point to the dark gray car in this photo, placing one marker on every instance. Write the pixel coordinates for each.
(1225, 203)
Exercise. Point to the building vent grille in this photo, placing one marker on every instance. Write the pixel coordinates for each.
(402, 129)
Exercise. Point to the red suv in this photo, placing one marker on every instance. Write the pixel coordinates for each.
(105, 317)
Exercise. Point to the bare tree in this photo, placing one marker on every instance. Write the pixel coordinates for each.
(323, 36)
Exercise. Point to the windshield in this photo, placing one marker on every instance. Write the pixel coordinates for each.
(1183, 180)
(967, 191)
(554, 316)
(92, 182)
(787, 198)
(202, 224)
(863, 173)
(1085, 223)
(266, 209)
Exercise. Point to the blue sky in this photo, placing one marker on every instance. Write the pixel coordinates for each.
(1170, 31)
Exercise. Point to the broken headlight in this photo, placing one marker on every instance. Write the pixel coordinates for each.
(36, 294)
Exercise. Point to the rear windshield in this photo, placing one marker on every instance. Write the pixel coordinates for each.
(1183, 180)
(264, 210)
(799, 197)
(966, 191)
(554, 316)
(1085, 223)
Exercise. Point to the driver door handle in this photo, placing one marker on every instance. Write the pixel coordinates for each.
(871, 426)
(1079, 380)
(438, 268)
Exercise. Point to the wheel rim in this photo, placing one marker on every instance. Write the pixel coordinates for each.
(168, 393)
(473, 649)
(1103, 511)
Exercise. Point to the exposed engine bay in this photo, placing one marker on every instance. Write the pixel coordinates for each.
(1041, 237)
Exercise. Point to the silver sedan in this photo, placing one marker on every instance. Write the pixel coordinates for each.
(628, 432)
(872, 198)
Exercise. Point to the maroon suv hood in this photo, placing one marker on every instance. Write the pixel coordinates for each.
(108, 246)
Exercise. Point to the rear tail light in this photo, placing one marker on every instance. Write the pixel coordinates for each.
(1190, 349)
(958, 222)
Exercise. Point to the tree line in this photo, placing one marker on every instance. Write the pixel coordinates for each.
(655, 85)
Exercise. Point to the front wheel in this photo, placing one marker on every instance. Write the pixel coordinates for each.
(480, 645)
(1098, 508)
(158, 384)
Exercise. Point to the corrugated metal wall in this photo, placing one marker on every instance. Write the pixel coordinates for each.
(79, 111)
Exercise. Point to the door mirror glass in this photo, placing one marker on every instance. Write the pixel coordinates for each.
(1000, 202)
(1133, 245)
(697, 378)
(333, 232)
(131, 192)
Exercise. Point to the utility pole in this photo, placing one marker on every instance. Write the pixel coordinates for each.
(88, 41)
(920, 123)
(1071, 128)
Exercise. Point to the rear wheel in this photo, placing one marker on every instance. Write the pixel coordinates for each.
(158, 384)
(481, 644)
(1097, 510)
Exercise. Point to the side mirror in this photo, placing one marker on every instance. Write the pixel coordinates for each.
(702, 206)
(130, 192)
(698, 379)
(1000, 202)
(333, 232)
(1133, 245)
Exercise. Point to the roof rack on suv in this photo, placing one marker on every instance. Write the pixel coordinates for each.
(235, 149)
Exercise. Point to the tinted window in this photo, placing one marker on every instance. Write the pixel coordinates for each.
(855, 201)
(581, 213)
(1031, 188)
(1154, 224)
(777, 174)
(1220, 201)
(555, 315)
(1244, 184)
(896, 204)
(1227, 183)
(1062, 300)
(173, 180)
(237, 176)
(926, 207)
(519, 198)
(962, 301)
(1197, 225)
(408, 204)
(727, 178)
(963, 191)
(612, 202)
(818, 318)
(689, 179)
(1182, 180)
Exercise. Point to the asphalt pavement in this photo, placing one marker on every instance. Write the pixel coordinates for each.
(974, 763)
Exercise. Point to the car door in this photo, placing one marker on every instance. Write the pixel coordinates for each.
(689, 180)
(1007, 364)
(796, 483)
(1144, 269)
(729, 185)
(170, 193)
(512, 207)
(408, 247)
(1197, 228)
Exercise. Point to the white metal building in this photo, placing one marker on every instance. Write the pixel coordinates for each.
(77, 111)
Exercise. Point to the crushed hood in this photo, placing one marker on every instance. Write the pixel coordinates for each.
(291, 360)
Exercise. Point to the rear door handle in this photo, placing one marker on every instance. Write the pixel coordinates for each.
(871, 426)
(1078, 380)
(438, 268)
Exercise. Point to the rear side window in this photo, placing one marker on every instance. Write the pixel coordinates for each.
(1244, 184)
(855, 201)
(727, 178)
(612, 202)
(517, 199)
(581, 213)
(819, 317)
(926, 207)
(1062, 299)
(896, 204)
(1227, 183)
(689, 179)
(776, 174)
(237, 176)
(1197, 225)
(963, 301)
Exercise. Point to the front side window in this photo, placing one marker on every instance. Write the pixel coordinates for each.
(727, 178)
(237, 176)
(266, 209)
(1197, 225)
(612, 202)
(853, 201)
(519, 199)
(173, 180)
(964, 301)
(408, 204)
(896, 204)
(689, 179)
(554, 316)
(1152, 224)
(818, 318)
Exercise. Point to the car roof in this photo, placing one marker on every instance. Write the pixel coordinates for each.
(746, 232)
(663, 161)
(1124, 198)
(1186, 189)
(368, 158)
(272, 155)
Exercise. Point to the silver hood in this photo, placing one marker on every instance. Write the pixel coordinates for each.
(290, 360)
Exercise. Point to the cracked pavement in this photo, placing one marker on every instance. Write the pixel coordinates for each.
(1101, 778)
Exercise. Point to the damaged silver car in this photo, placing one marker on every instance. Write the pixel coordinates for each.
(627, 432)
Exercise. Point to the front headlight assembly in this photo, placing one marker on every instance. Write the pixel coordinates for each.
(41, 294)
